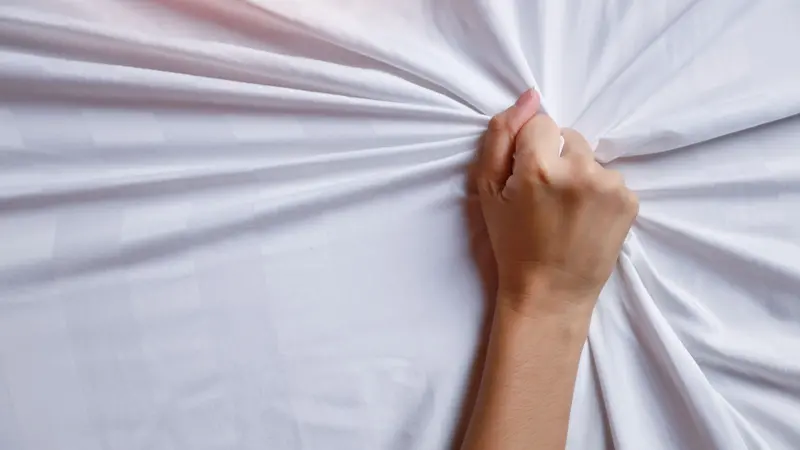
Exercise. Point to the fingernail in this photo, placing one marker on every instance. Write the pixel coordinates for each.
(526, 98)
(526, 106)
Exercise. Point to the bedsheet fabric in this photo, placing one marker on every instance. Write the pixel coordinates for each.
(243, 224)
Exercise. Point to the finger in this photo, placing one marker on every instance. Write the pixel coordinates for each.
(538, 143)
(576, 146)
(496, 155)
(632, 201)
(628, 197)
(614, 178)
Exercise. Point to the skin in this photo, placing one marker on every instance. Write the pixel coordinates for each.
(556, 224)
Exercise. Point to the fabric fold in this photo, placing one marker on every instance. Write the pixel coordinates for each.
(244, 223)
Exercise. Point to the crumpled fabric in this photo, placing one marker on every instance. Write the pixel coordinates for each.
(244, 223)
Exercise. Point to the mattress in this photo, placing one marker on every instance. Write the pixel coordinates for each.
(243, 224)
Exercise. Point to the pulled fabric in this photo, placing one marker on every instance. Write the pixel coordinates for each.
(244, 224)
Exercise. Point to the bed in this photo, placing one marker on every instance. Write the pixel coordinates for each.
(243, 224)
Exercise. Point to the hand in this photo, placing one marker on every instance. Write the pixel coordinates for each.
(556, 223)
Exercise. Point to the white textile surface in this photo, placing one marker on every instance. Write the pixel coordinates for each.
(243, 224)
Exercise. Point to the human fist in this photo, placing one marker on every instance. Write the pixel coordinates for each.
(556, 218)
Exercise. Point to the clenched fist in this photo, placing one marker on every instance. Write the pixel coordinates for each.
(556, 218)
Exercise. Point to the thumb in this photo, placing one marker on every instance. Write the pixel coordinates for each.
(496, 156)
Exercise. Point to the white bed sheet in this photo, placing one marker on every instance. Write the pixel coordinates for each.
(230, 224)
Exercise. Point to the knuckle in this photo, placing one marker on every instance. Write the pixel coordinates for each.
(578, 187)
(541, 126)
(616, 178)
(621, 195)
(572, 135)
(615, 184)
(585, 177)
(548, 124)
(576, 140)
(632, 202)
(499, 124)
(544, 174)
(604, 187)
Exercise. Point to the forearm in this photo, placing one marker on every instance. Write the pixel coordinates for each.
(528, 380)
(557, 221)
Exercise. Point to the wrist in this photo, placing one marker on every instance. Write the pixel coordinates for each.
(543, 294)
(562, 330)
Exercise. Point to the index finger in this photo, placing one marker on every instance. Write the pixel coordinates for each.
(496, 156)
(539, 140)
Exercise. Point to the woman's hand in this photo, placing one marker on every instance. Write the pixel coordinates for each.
(556, 221)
